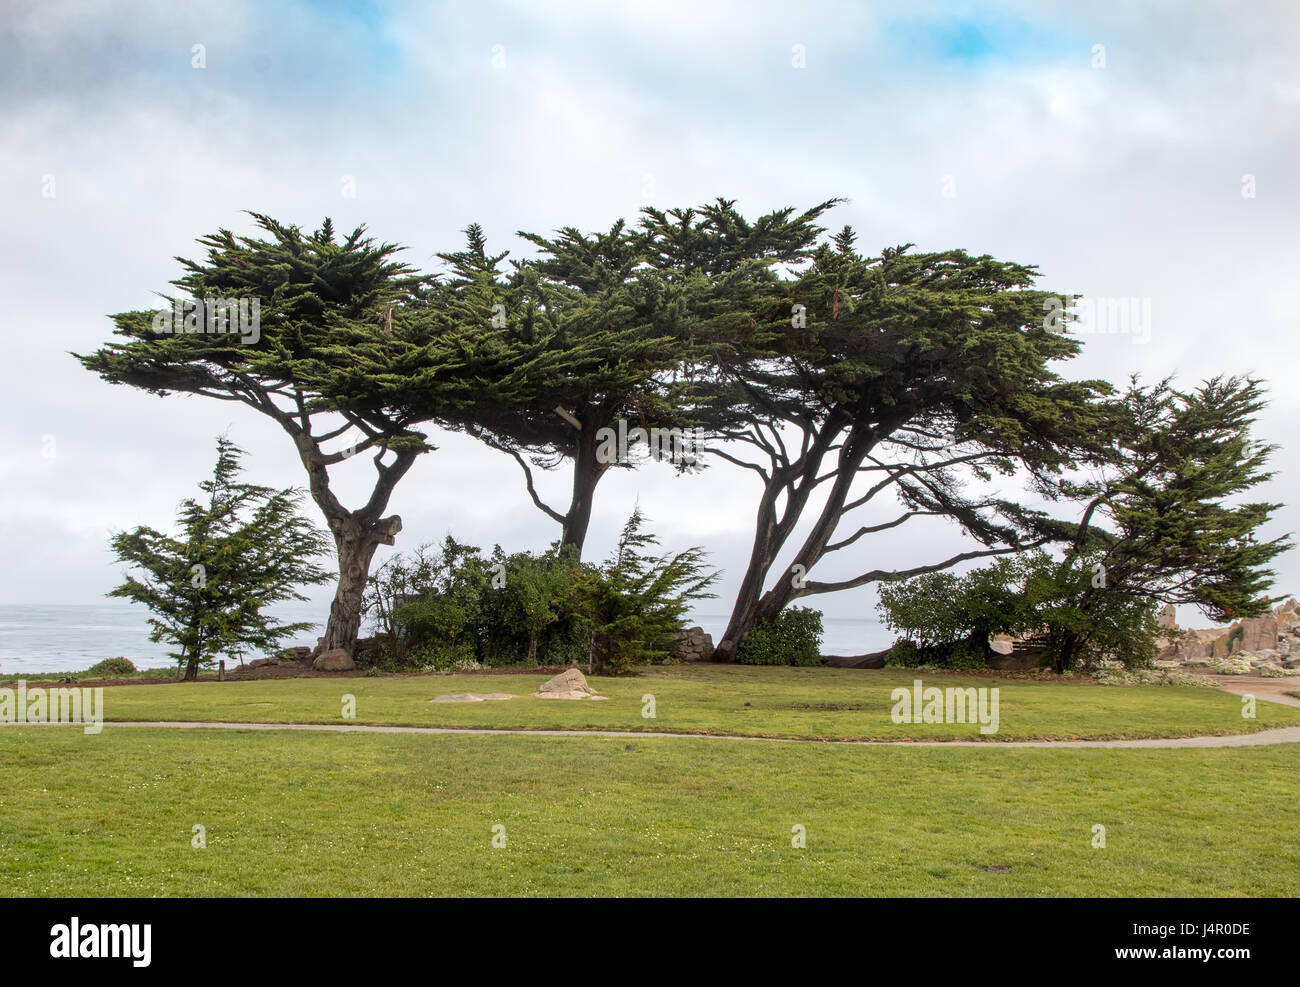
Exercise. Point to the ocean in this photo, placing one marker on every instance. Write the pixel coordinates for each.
(72, 637)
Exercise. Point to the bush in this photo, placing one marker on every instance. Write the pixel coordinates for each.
(946, 619)
(448, 607)
(964, 655)
(112, 668)
(793, 638)
(904, 654)
(960, 655)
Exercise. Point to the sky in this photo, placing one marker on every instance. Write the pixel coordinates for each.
(1130, 150)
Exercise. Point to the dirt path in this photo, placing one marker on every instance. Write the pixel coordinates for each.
(1271, 690)
(1283, 735)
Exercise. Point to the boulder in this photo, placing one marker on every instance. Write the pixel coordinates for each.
(569, 684)
(693, 644)
(336, 660)
(1167, 619)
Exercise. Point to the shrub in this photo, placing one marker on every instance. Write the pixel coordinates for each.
(793, 638)
(112, 668)
(947, 619)
(961, 655)
(904, 654)
(448, 607)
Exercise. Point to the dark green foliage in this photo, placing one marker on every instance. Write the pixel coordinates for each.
(241, 550)
(638, 601)
(111, 668)
(1163, 517)
(914, 375)
(451, 606)
(793, 638)
(946, 619)
(355, 351)
(603, 335)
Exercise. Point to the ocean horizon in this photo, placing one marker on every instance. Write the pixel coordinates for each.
(71, 637)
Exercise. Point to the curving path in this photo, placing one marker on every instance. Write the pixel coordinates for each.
(1268, 690)
(1282, 735)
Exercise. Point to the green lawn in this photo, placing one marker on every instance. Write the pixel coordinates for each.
(776, 702)
(367, 814)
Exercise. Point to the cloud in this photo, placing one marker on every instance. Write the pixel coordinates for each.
(1121, 181)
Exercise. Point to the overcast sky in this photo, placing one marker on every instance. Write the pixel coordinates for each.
(1162, 165)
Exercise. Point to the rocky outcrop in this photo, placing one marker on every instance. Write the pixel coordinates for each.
(1264, 645)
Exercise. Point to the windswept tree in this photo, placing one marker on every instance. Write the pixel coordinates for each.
(351, 352)
(1163, 517)
(241, 549)
(917, 375)
(602, 348)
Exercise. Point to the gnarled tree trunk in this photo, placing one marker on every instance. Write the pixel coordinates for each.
(355, 542)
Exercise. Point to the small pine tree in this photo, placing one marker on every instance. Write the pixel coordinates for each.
(640, 600)
(241, 550)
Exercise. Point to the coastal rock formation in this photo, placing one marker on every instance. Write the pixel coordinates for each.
(1261, 645)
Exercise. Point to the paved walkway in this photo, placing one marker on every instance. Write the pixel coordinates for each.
(1268, 690)
(1283, 735)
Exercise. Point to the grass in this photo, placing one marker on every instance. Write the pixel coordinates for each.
(813, 703)
(366, 814)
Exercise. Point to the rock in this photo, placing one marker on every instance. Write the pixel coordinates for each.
(260, 662)
(1167, 619)
(336, 660)
(300, 653)
(471, 697)
(569, 684)
(694, 645)
(1259, 633)
(1224, 644)
(874, 660)
(1002, 644)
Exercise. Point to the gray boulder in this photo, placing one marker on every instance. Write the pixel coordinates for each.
(336, 660)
